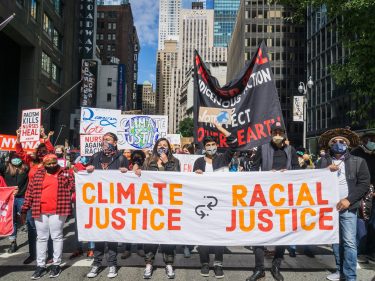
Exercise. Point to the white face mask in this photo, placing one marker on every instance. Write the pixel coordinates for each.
(211, 150)
(277, 139)
(370, 145)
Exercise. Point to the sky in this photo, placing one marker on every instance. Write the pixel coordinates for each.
(146, 17)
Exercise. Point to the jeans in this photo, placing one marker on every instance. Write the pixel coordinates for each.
(168, 252)
(99, 253)
(204, 254)
(259, 256)
(17, 206)
(346, 252)
(47, 225)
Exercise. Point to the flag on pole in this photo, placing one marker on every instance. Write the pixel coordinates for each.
(6, 21)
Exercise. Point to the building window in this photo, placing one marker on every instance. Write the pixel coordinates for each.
(109, 97)
(47, 25)
(109, 48)
(57, 6)
(109, 82)
(34, 9)
(57, 39)
(55, 73)
(46, 63)
(109, 25)
(114, 26)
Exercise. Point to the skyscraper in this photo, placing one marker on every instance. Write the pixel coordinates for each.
(224, 20)
(169, 19)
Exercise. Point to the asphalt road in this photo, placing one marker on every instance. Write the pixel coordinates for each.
(238, 264)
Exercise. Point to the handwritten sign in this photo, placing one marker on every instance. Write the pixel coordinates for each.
(90, 144)
(211, 114)
(229, 209)
(30, 125)
(98, 121)
(141, 131)
(298, 108)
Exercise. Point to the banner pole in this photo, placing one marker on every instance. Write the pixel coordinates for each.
(6, 21)
(56, 101)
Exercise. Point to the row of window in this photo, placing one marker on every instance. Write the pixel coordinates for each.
(110, 36)
(52, 32)
(110, 25)
(109, 14)
(110, 48)
(33, 6)
(50, 69)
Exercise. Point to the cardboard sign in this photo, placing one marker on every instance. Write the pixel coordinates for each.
(228, 209)
(90, 144)
(30, 125)
(8, 143)
(141, 131)
(210, 114)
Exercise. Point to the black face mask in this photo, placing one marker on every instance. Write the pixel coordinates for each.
(59, 155)
(52, 169)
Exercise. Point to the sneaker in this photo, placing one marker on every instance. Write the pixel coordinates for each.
(148, 271)
(219, 273)
(93, 272)
(126, 254)
(49, 261)
(55, 271)
(29, 260)
(76, 254)
(187, 253)
(205, 270)
(335, 276)
(112, 272)
(12, 247)
(90, 253)
(38, 273)
(169, 271)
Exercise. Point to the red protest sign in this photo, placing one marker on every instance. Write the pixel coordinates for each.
(8, 143)
(30, 124)
(6, 210)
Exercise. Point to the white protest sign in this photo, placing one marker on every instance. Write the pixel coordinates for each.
(30, 125)
(90, 144)
(298, 108)
(187, 161)
(98, 121)
(228, 209)
(174, 138)
(141, 131)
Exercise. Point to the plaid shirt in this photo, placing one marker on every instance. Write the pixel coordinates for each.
(66, 186)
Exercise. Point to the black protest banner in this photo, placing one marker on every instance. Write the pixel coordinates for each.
(252, 96)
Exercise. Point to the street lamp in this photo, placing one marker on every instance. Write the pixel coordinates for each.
(302, 89)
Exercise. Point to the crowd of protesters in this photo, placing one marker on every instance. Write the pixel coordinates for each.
(45, 197)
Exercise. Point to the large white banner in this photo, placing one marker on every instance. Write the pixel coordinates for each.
(228, 209)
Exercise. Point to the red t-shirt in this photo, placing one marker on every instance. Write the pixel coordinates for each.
(48, 201)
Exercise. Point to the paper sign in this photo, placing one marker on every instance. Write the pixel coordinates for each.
(223, 209)
(298, 108)
(210, 114)
(98, 121)
(30, 125)
(90, 144)
(174, 139)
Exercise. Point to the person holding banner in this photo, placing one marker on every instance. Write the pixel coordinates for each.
(354, 183)
(109, 158)
(15, 173)
(49, 197)
(161, 159)
(214, 162)
(277, 155)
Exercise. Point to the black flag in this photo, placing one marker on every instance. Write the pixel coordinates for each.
(252, 97)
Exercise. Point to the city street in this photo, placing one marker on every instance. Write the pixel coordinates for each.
(236, 264)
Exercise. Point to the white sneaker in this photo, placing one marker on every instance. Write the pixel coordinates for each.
(335, 276)
(148, 271)
(112, 272)
(93, 272)
(169, 271)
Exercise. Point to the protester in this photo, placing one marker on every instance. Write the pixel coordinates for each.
(354, 181)
(109, 158)
(15, 173)
(127, 153)
(61, 156)
(214, 162)
(276, 155)
(137, 157)
(247, 160)
(304, 159)
(161, 159)
(49, 197)
(366, 233)
(80, 166)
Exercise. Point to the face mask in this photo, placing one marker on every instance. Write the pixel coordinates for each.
(59, 155)
(84, 160)
(162, 150)
(211, 150)
(52, 169)
(16, 161)
(322, 154)
(277, 140)
(339, 148)
(108, 148)
(370, 145)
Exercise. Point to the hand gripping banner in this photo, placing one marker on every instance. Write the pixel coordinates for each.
(252, 96)
(224, 209)
(6, 210)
